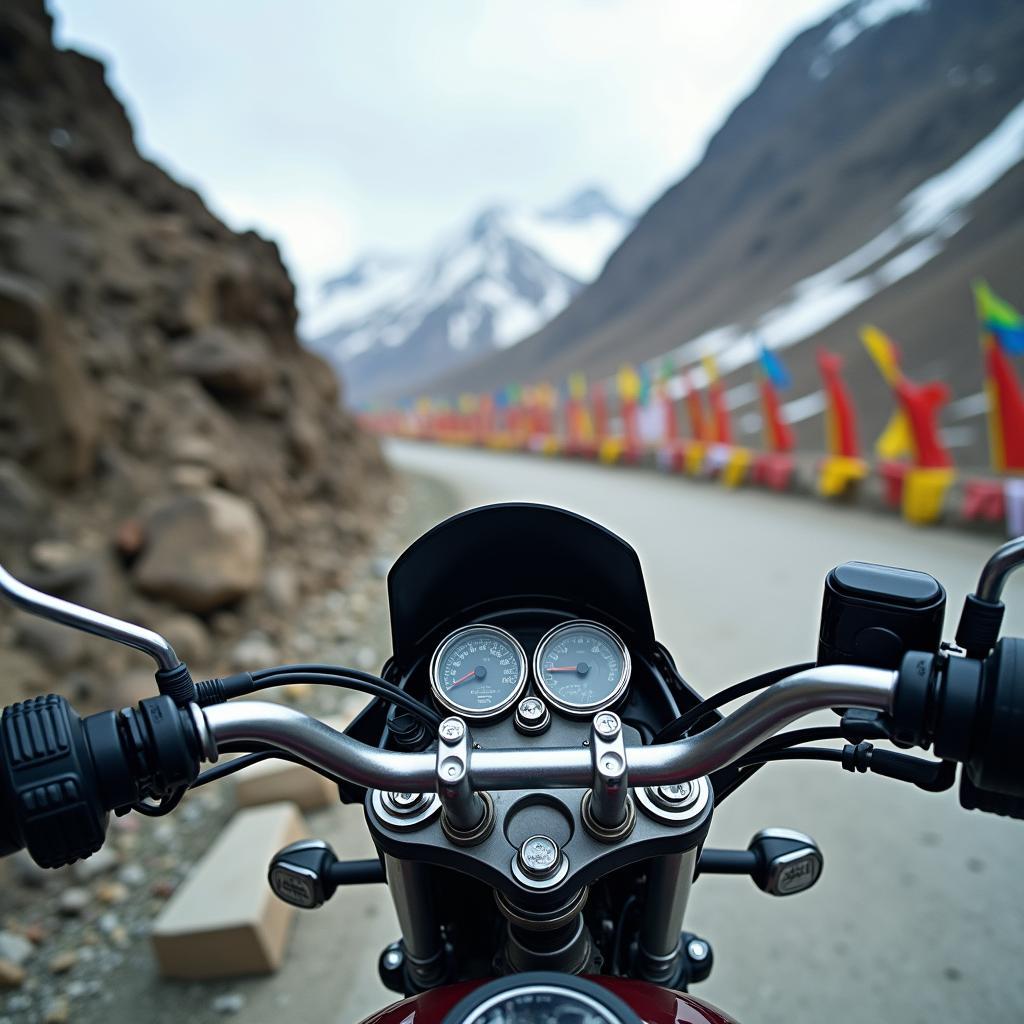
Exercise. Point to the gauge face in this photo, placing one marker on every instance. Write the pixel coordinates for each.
(581, 667)
(478, 671)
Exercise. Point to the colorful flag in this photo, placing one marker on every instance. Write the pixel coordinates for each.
(913, 429)
(578, 386)
(774, 369)
(999, 318)
(896, 441)
(628, 383)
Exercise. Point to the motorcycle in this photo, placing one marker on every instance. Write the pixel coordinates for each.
(538, 779)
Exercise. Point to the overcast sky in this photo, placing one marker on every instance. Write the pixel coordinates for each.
(336, 126)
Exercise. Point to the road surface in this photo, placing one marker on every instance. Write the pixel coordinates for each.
(919, 916)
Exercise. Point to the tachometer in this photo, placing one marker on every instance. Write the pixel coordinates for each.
(478, 671)
(581, 667)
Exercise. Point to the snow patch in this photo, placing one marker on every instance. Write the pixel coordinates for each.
(927, 218)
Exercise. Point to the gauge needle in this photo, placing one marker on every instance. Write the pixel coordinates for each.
(468, 675)
(564, 668)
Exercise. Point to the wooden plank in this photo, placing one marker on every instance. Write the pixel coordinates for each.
(224, 921)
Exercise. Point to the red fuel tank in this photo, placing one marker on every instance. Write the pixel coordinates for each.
(652, 1003)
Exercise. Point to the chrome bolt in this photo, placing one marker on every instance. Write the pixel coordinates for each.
(607, 725)
(697, 949)
(531, 709)
(539, 856)
(677, 793)
(451, 730)
(405, 799)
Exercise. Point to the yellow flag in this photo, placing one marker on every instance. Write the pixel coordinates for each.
(883, 351)
(629, 383)
(710, 368)
(897, 440)
(578, 386)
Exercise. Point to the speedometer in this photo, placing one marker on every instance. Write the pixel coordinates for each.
(581, 667)
(478, 671)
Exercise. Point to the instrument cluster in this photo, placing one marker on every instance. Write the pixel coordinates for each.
(579, 667)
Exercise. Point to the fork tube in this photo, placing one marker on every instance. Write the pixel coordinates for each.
(668, 888)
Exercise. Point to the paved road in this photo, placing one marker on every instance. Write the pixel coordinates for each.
(920, 913)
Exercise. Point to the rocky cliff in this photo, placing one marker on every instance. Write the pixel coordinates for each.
(168, 450)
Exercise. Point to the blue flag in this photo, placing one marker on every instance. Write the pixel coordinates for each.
(773, 369)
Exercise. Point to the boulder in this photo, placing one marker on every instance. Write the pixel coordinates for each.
(227, 363)
(202, 551)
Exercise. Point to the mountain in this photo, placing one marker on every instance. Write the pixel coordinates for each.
(392, 323)
(874, 170)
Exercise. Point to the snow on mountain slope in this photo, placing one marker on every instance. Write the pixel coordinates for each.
(926, 219)
(394, 320)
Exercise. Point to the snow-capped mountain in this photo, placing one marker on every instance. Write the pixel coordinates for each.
(391, 323)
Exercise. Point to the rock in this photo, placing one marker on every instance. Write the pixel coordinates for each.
(15, 948)
(252, 652)
(132, 874)
(306, 439)
(229, 1003)
(53, 555)
(163, 889)
(11, 975)
(63, 962)
(57, 1011)
(192, 478)
(281, 588)
(227, 363)
(109, 923)
(104, 859)
(73, 901)
(112, 893)
(129, 537)
(202, 551)
(36, 933)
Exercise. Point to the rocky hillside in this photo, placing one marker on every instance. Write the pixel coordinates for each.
(395, 323)
(852, 184)
(168, 450)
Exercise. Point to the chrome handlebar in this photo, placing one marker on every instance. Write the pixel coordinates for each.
(261, 722)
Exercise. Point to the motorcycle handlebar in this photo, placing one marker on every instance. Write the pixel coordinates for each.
(761, 717)
(60, 775)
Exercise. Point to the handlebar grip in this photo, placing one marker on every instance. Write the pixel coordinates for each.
(972, 712)
(61, 775)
